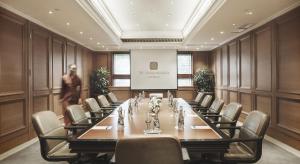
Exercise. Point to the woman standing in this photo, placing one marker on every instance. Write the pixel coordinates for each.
(70, 91)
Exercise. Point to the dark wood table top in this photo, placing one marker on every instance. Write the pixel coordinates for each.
(135, 124)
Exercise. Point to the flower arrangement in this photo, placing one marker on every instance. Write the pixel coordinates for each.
(154, 104)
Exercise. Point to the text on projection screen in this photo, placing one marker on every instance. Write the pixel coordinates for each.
(153, 69)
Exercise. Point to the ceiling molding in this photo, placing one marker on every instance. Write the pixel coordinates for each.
(99, 11)
(151, 34)
(112, 29)
(211, 12)
(199, 12)
(274, 16)
(21, 14)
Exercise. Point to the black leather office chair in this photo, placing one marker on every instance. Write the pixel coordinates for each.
(94, 108)
(215, 107)
(104, 103)
(247, 147)
(204, 105)
(52, 136)
(149, 150)
(113, 98)
(229, 118)
(198, 99)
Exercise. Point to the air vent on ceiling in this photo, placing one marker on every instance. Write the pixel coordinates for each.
(242, 28)
(152, 40)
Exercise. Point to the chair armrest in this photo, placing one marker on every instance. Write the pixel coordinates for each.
(232, 127)
(76, 127)
(53, 137)
(209, 113)
(212, 115)
(228, 122)
(245, 139)
(81, 124)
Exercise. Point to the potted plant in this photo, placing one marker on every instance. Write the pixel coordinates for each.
(204, 80)
(99, 82)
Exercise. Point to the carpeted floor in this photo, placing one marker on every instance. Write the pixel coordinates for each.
(272, 154)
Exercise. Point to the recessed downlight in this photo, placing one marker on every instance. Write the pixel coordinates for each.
(50, 12)
(80, 32)
(68, 24)
(98, 43)
(249, 12)
(221, 32)
(91, 38)
(197, 48)
(212, 39)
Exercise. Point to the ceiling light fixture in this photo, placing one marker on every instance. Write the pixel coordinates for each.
(50, 12)
(233, 24)
(167, 24)
(103, 46)
(221, 32)
(91, 38)
(212, 38)
(98, 43)
(80, 32)
(68, 23)
(197, 48)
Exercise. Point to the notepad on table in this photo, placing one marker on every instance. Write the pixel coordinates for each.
(192, 115)
(101, 127)
(200, 127)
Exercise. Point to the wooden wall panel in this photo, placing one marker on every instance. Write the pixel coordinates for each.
(57, 106)
(57, 59)
(224, 66)
(233, 96)
(225, 96)
(289, 114)
(40, 103)
(12, 117)
(79, 61)
(200, 60)
(218, 68)
(264, 104)
(246, 101)
(12, 78)
(71, 54)
(268, 78)
(233, 72)
(288, 54)
(40, 57)
(245, 62)
(263, 59)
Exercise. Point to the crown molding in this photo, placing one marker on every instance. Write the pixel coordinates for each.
(21, 14)
(274, 16)
(151, 34)
(214, 7)
(103, 18)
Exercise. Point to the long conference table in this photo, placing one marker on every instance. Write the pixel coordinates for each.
(198, 134)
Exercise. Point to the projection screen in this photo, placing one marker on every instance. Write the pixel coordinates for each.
(153, 69)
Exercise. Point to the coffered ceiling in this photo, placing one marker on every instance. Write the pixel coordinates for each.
(105, 25)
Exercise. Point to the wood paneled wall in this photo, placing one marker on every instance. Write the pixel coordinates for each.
(32, 63)
(104, 59)
(261, 71)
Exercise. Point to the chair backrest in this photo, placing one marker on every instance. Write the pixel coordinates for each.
(199, 97)
(255, 124)
(103, 101)
(46, 123)
(77, 114)
(206, 101)
(149, 150)
(113, 98)
(93, 106)
(231, 113)
(216, 106)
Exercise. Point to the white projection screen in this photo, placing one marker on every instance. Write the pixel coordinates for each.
(153, 69)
